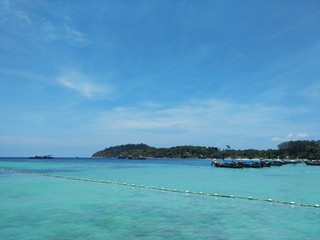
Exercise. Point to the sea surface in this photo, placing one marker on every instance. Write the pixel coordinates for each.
(88, 198)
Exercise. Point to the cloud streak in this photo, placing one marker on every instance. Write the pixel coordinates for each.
(54, 32)
(23, 20)
(23, 74)
(196, 121)
(291, 137)
(83, 85)
(312, 91)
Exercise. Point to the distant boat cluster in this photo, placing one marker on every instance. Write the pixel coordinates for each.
(313, 162)
(41, 157)
(258, 163)
(133, 158)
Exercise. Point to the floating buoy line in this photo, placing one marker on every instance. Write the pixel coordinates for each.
(270, 200)
(301, 171)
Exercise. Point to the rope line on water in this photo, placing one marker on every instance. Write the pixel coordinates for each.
(301, 171)
(161, 189)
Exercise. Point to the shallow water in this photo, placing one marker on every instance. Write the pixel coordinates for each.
(42, 207)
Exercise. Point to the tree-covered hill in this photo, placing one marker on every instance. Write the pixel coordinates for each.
(128, 150)
(143, 150)
(291, 149)
(300, 149)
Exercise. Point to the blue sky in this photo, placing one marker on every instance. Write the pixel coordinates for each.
(76, 77)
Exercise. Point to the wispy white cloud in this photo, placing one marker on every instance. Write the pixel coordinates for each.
(312, 91)
(194, 122)
(83, 84)
(21, 19)
(290, 137)
(49, 31)
(27, 140)
(73, 35)
(23, 74)
(54, 32)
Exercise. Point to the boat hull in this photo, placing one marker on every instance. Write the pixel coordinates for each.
(313, 163)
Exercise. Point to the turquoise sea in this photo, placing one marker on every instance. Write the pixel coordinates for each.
(84, 198)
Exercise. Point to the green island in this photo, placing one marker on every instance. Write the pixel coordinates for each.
(307, 149)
